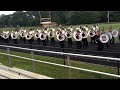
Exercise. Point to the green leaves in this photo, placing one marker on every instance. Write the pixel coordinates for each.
(60, 17)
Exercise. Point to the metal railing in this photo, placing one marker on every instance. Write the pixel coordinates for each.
(60, 65)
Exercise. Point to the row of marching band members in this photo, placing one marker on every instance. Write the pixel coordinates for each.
(105, 38)
(80, 35)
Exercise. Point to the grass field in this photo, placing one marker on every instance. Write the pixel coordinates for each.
(115, 25)
(55, 71)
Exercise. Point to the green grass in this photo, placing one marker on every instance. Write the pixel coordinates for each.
(56, 71)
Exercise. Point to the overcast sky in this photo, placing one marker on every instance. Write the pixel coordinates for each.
(6, 12)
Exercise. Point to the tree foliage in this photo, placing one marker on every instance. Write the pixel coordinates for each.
(32, 18)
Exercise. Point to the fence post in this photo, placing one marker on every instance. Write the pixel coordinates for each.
(118, 67)
(33, 63)
(9, 58)
(69, 71)
(63, 55)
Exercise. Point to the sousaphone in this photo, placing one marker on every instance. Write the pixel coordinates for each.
(5, 36)
(104, 38)
(60, 37)
(51, 34)
(115, 33)
(43, 36)
(84, 34)
(77, 36)
(91, 33)
(14, 35)
(68, 34)
(37, 35)
(109, 35)
(28, 36)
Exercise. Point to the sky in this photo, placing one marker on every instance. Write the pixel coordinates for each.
(6, 12)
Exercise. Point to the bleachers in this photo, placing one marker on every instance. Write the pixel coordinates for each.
(15, 73)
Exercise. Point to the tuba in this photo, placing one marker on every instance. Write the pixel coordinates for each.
(5, 35)
(43, 36)
(68, 34)
(115, 33)
(51, 34)
(22, 33)
(37, 35)
(29, 36)
(77, 36)
(104, 38)
(14, 35)
(61, 37)
(91, 33)
(109, 35)
(84, 34)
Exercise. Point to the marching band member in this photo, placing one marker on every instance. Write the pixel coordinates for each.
(77, 36)
(61, 38)
(29, 36)
(107, 43)
(115, 33)
(86, 28)
(102, 40)
(100, 45)
(32, 34)
(71, 28)
(37, 36)
(113, 39)
(23, 36)
(58, 31)
(103, 31)
(63, 30)
(14, 36)
(43, 37)
(80, 28)
(46, 32)
(51, 35)
(5, 35)
(97, 27)
(119, 35)
(92, 35)
(68, 34)
(93, 27)
(84, 37)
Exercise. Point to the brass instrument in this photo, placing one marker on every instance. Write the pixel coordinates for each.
(68, 34)
(91, 33)
(104, 38)
(14, 35)
(29, 35)
(115, 33)
(84, 34)
(77, 36)
(61, 37)
(43, 36)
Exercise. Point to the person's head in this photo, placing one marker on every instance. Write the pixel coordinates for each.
(78, 31)
(84, 29)
(60, 32)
